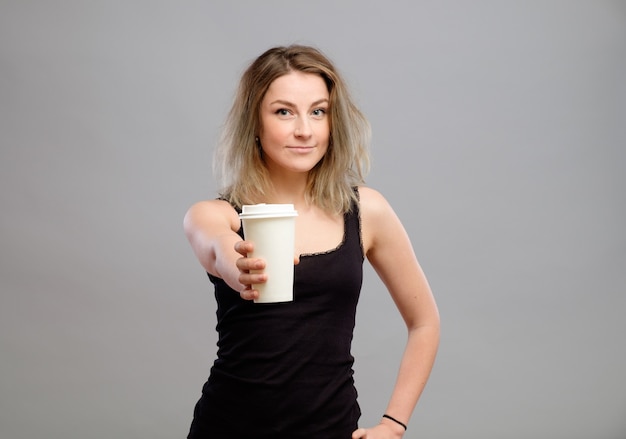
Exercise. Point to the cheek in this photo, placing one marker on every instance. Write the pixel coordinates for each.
(324, 132)
(272, 131)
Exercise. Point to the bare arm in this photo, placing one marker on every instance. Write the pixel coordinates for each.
(390, 252)
(211, 228)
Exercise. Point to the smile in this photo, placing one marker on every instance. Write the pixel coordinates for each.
(301, 148)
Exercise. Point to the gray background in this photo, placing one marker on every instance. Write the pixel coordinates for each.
(499, 134)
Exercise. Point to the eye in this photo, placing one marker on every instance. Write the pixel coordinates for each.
(282, 112)
(319, 112)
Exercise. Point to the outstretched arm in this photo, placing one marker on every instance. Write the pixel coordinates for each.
(211, 228)
(389, 250)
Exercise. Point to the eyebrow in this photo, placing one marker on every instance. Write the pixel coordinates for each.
(290, 104)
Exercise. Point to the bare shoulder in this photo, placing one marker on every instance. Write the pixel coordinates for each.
(374, 207)
(214, 215)
(377, 217)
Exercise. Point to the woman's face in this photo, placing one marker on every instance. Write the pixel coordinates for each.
(295, 127)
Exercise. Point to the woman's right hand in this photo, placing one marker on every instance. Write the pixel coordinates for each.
(245, 266)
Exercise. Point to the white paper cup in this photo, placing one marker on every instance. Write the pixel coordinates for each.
(271, 227)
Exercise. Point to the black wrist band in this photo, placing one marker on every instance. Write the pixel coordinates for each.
(395, 420)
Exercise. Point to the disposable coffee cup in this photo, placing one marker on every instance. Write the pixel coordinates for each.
(271, 227)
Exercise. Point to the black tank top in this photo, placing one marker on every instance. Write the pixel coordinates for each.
(285, 369)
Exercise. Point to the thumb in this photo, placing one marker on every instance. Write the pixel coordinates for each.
(360, 433)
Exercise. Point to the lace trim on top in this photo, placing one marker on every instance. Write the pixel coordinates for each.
(345, 229)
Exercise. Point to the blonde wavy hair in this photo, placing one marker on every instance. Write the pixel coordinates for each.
(239, 160)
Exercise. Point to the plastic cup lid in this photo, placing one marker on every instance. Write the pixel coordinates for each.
(263, 210)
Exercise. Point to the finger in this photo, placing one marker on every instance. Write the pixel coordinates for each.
(359, 433)
(244, 247)
(249, 293)
(250, 279)
(247, 264)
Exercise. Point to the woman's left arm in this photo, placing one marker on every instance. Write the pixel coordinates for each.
(389, 250)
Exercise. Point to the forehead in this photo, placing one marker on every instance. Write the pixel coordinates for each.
(297, 86)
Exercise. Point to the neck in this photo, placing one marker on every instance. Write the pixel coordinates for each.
(290, 189)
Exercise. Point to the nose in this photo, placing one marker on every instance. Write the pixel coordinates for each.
(303, 127)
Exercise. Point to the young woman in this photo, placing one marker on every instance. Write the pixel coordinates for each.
(284, 370)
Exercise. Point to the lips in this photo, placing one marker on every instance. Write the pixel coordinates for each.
(301, 148)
